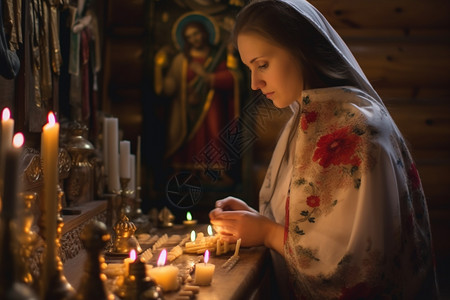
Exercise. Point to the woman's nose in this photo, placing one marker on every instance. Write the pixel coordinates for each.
(257, 82)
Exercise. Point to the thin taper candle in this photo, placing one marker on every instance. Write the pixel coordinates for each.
(49, 155)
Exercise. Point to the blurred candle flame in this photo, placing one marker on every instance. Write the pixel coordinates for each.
(6, 114)
(192, 235)
(210, 232)
(162, 258)
(133, 254)
(18, 140)
(51, 119)
(189, 216)
(206, 256)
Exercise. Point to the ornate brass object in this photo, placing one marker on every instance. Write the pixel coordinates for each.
(125, 239)
(80, 183)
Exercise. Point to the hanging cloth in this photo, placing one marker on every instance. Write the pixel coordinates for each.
(9, 61)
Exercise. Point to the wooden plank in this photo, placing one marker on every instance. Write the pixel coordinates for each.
(385, 13)
(392, 94)
(436, 183)
(406, 64)
(425, 126)
(129, 13)
(126, 62)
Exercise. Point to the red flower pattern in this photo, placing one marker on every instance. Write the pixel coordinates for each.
(413, 176)
(308, 117)
(337, 148)
(313, 201)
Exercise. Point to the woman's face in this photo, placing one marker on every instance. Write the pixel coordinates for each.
(274, 70)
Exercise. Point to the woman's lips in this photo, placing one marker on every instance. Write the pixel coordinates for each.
(268, 95)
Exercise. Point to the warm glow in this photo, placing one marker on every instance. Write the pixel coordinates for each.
(210, 232)
(162, 258)
(6, 114)
(192, 235)
(133, 254)
(51, 119)
(189, 216)
(206, 256)
(18, 140)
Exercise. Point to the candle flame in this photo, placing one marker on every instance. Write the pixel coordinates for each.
(210, 232)
(162, 258)
(133, 254)
(189, 216)
(18, 140)
(192, 235)
(206, 256)
(51, 119)
(6, 114)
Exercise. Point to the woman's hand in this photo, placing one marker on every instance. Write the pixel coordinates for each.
(233, 219)
(230, 203)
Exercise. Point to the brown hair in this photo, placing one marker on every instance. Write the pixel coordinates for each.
(280, 23)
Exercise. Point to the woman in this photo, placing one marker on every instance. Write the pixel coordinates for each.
(342, 204)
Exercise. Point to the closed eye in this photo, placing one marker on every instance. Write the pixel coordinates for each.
(263, 66)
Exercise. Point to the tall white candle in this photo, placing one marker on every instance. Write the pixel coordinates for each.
(125, 159)
(105, 145)
(49, 156)
(138, 162)
(113, 155)
(7, 129)
(12, 156)
(132, 184)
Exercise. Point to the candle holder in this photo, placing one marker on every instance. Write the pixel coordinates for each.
(57, 285)
(126, 208)
(124, 239)
(27, 237)
(137, 213)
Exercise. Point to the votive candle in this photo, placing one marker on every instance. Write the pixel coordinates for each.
(204, 271)
(165, 276)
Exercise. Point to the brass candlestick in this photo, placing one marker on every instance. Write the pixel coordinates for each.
(124, 229)
(137, 212)
(58, 287)
(27, 237)
(126, 207)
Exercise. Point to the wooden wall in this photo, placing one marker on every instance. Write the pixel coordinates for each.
(402, 45)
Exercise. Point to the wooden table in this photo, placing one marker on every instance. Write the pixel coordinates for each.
(246, 280)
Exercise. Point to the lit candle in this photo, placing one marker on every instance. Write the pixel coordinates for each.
(127, 261)
(204, 271)
(189, 221)
(7, 129)
(49, 156)
(209, 230)
(164, 276)
(113, 155)
(12, 157)
(125, 159)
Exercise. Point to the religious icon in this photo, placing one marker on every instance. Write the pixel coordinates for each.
(198, 72)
